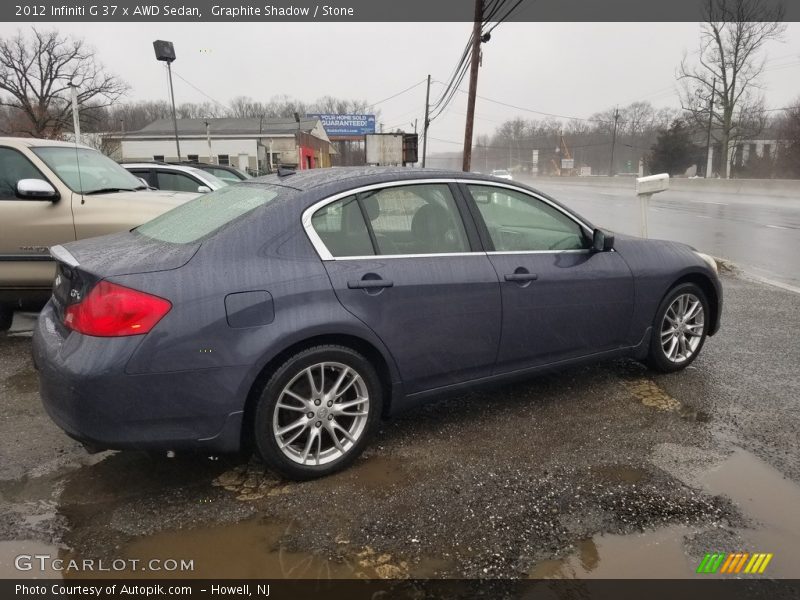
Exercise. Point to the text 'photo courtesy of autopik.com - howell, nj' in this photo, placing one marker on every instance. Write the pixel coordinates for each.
(383, 299)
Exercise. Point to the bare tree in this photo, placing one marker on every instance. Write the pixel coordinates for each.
(36, 72)
(732, 35)
(789, 149)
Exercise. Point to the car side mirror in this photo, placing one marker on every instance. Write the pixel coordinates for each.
(203, 189)
(602, 241)
(36, 189)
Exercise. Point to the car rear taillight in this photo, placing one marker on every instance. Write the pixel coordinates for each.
(111, 310)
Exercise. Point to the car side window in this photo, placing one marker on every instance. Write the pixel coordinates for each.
(341, 227)
(13, 167)
(415, 219)
(519, 222)
(224, 175)
(176, 182)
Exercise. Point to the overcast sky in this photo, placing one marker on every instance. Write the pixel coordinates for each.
(572, 69)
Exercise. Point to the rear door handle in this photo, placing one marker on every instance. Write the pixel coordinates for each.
(522, 277)
(367, 284)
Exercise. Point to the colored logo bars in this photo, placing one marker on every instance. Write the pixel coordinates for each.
(736, 562)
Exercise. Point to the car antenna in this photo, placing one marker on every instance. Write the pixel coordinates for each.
(285, 171)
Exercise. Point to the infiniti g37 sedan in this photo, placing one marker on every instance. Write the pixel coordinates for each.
(289, 314)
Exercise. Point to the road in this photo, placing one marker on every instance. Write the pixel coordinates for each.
(601, 471)
(761, 234)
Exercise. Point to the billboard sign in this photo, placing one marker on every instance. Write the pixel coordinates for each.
(346, 125)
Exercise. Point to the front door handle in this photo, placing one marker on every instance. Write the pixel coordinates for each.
(521, 277)
(369, 284)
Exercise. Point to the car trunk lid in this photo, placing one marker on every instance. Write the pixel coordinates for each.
(81, 265)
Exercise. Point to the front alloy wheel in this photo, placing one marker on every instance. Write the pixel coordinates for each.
(679, 328)
(317, 412)
(682, 328)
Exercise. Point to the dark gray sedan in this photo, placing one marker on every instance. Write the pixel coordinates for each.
(288, 314)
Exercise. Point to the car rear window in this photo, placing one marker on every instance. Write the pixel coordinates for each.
(208, 213)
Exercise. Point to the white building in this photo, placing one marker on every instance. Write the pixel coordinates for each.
(253, 144)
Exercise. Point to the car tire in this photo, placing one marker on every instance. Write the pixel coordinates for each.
(679, 329)
(317, 412)
(6, 317)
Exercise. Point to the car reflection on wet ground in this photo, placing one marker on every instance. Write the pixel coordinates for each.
(602, 471)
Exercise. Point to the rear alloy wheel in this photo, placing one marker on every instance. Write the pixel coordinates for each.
(680, 328)
(317, 412)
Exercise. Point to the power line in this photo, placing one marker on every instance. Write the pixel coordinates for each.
(504, 17)
(457, 73)
(190, 84)
(408, 89)
(531, 110)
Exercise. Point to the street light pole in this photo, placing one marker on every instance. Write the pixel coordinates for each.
(174, 116)
(165, 52)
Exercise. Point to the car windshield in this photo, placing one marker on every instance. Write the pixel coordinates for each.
(208, 213)
(214, 180)
(86, 171)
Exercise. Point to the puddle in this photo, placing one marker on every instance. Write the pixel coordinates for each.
(253, 549)
(654, 554)
(374, 472)
(650, 394)
(767, 499)
(770, 500)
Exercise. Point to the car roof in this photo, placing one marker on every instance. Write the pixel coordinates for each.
(37, 143)
(167, 166)
(356, 176)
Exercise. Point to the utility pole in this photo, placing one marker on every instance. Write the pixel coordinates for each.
(427, 122)
(613, 143)
(473, 84)
(709, 156)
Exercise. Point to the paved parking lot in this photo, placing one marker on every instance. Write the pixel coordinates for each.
(602, 471)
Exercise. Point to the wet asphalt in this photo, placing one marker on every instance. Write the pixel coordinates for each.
(758, 232)
(601, 471)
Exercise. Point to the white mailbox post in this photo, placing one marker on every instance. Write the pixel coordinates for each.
(645, 188)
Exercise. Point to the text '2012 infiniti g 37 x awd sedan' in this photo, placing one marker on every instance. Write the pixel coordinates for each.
(290, 313)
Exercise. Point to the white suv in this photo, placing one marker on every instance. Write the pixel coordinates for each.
(175, 178)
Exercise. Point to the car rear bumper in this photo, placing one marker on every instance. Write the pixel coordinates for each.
(85, 390)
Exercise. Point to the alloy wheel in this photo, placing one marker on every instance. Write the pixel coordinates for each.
(321, 413)
(682, 328)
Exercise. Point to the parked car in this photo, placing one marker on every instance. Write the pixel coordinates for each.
(224, 172)
(502, 174)
(177, 178)
(289, 314)
(54, 192)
